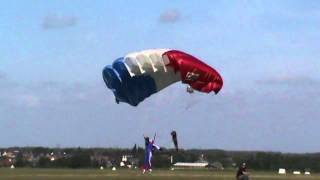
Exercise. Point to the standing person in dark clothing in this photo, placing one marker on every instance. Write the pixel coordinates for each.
(150, 146)
(242, 173)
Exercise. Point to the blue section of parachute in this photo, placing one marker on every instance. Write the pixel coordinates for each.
(131, 90)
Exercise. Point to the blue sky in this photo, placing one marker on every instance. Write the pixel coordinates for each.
(52, 54)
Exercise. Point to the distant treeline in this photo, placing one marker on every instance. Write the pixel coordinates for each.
(42, 157)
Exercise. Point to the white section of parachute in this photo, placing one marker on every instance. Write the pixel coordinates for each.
(145, 61)
(154, 64)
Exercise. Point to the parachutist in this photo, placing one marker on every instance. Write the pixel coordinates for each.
(150, 146)
(190, 90)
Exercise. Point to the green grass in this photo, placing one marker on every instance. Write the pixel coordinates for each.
(85, 174)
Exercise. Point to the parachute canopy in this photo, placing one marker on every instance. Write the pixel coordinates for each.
(138, 75)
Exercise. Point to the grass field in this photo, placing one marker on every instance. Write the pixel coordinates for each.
(44, 174)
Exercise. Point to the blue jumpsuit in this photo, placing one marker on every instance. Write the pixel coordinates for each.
(148, 154)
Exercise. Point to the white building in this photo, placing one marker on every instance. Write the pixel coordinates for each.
(190, 165)
(296, 172)
(282, 171)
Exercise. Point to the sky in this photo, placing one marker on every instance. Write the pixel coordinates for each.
(52, 54)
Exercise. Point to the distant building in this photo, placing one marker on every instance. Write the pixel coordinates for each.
(200, 163)
(282, 171)
(190, 165)
(296, 172)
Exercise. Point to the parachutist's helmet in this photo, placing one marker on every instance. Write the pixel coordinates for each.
(147, 138)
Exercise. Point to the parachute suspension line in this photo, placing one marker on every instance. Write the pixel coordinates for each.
(154, 136)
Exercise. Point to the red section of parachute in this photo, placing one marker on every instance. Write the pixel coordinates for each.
(194, 72)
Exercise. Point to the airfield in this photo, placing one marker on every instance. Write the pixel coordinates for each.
(85, 174)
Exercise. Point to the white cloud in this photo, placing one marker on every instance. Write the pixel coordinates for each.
(170, 16)
(57, 22)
